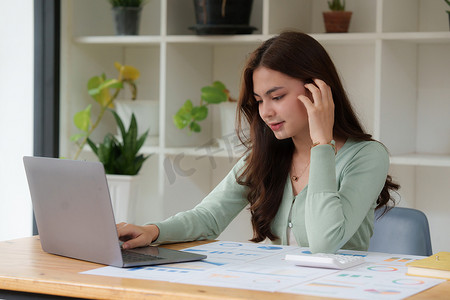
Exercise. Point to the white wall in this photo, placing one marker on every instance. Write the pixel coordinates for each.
(16, 116)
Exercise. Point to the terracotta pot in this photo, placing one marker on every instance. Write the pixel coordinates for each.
(337, 21)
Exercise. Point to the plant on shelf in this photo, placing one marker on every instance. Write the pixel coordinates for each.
(121, 157)
(189, 115)
(336, 5)
(127, 15)
(337, 19)
(99, 88)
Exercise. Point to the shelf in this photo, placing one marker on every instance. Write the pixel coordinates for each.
(119, 40)
(418, 37)
(217, 39)
(346, 38)
(339, 38)
(156, 40)
(417, 159)
(150, 150)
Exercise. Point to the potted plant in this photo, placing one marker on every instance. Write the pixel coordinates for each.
(222, 17)
(127, 15)
(122, 162)
(190, 115)
(119, 157)
(99, 89)
(337, 19)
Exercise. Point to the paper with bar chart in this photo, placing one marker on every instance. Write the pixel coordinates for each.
(262, 267)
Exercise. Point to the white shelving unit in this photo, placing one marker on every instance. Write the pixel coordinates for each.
(394, 63)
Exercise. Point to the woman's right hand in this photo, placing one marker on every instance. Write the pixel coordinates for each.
(136, 236)
(320, 111)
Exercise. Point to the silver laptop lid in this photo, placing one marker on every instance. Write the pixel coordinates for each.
(73, 210)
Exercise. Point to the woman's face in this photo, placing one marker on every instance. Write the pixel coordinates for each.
(276, 94)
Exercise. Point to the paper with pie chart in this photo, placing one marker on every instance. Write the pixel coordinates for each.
(263, 267)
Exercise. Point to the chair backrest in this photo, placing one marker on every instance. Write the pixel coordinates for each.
(401, 231)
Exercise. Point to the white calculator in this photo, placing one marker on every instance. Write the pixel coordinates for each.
(323, 260)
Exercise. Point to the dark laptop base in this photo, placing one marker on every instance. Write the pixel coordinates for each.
(165, 256)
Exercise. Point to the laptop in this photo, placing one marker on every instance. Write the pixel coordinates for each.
(74, 215)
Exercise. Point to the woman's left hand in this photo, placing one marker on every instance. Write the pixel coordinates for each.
(136, 236)
(320, 111)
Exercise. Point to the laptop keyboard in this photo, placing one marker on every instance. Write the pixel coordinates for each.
(130, 256)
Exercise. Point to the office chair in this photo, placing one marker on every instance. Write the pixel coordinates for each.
(401, 231)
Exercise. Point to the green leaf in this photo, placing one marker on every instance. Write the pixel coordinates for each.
(141, 140)
(199, 113)
(97, 83)
(111, 84)
(77, 136)
(101, 96)
(213, 95)
(187, 106)
(82, 119)
(179, 121)
(93, 146)
(183, 116)
(98, 88)
(219, 85)
(130, 140)
(94, 82)
(195, 127)
(138, 161)
(119, 123)
(106, 153)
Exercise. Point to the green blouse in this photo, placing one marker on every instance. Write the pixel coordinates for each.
(335, 210)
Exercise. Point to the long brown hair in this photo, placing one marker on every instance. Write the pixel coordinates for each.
(268, 162)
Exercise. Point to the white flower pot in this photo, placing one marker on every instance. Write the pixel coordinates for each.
(228, 119)
(229, 140)
(146, 113)
(124, 192)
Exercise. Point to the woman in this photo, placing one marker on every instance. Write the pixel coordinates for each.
(311, 175)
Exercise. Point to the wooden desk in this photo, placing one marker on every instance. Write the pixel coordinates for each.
(25, 267)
